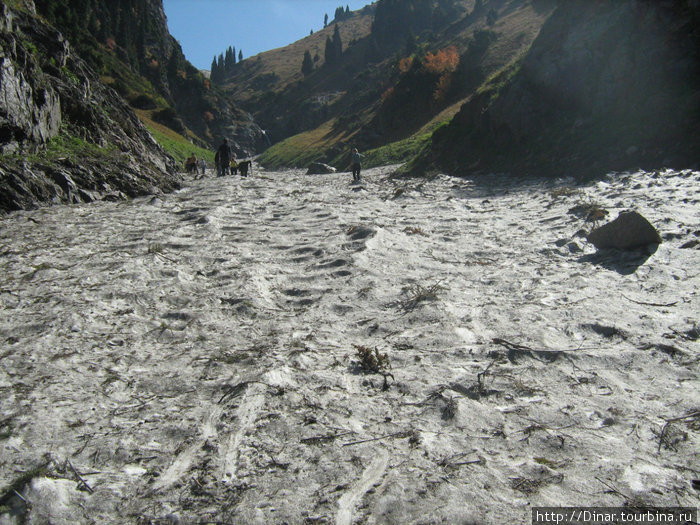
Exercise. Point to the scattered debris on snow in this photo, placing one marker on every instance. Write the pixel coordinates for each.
(194, 358)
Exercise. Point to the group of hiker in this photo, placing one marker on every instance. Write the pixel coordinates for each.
(192, 165)
(227, 165)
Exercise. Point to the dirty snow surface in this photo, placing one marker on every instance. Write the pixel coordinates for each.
(296, 349)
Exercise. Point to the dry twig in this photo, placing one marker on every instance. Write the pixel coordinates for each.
(400, 434)
(660, 305)
(671, 420)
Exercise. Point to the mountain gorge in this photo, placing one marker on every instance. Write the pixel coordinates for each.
(463, 87)
(405, 75)
(86, 87)
(454, 338)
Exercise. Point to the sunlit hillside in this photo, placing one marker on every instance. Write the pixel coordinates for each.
(274, 70)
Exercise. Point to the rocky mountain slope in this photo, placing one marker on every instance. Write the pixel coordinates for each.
(74, 80)
(64, 136)
(605, 86)
(536, 87)
(129, 45)
(409, 74)
(272, 71)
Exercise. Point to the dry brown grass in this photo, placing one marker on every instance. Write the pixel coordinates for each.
(285, 62)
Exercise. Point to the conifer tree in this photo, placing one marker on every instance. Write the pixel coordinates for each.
(212, 75)
(334, 47)
(240, 56)
(325, 20)
(337, 44)
(220, 69)
(307, 65)
(229, 60)
(329, 54)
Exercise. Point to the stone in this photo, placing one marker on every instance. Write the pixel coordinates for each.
(319, 168)
(630, 230)
(574, 247)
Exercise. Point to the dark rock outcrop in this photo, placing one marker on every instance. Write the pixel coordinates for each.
(319, 168)
(605, 86)
(30, 110)
(64, 136)
(629, 230)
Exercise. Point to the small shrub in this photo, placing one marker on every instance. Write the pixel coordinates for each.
(413, 230)
(417, 294)
(564, 191)
(30, 46)
(590, 211)
(596, 214)
(443, 87)
(444, 61)
(155, 248)
(405, 64)
(72, 77)
(372, 361)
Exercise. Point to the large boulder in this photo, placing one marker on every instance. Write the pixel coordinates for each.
(319, 168)
(629, 230)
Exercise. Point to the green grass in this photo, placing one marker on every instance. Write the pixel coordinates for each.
(30, 46)
(67, 73)
(402, 150)
(69, 146)
(175, 144)
(397, 152)
(495, 83)
(302, 149)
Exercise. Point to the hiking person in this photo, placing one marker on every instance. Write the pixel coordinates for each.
(224, 158)
(244, 166)
(356, 164)
(203, 165)
(191, 164)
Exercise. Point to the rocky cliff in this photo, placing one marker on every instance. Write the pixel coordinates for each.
(64, 136)
(127, 42)
(605, 86)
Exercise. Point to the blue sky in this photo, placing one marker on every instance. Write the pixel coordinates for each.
(206, 28)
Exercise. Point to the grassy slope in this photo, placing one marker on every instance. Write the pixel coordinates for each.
(275, 69)
(175, 144)
(132, 86)
(517, 27)
(302, 149)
